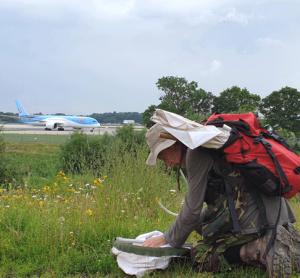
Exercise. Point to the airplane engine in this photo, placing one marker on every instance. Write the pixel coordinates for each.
(50, 126)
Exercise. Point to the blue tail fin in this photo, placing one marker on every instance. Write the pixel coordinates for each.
(20, 108)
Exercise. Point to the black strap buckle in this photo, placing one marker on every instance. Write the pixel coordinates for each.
(256, 140)
(297, 170)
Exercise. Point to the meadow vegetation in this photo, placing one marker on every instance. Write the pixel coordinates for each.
(62, 206)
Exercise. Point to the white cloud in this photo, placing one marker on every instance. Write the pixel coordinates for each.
(239, 17)
(269, 41)
(214, 67)
(100, 9)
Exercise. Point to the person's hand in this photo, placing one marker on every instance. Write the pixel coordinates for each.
(155, 241)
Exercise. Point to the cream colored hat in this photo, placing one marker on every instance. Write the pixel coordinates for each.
(156, 144)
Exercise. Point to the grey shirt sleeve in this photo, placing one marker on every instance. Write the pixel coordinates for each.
(198, 164)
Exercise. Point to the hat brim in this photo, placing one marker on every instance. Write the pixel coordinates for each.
(160, 145)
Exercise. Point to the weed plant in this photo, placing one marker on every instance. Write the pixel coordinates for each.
(63, 224)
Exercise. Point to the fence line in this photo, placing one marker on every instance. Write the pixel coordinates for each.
(36, 138)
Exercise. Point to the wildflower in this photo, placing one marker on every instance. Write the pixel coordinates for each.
(66, 201)
(55, 184)
(62, 219)
(47, 188)
(71, 233)
(77, 192)
(71, 184)
(26, 198)
(33, 196)
(172, 190)
(140, 189)
(97, 181)
(41, 204)
(138, 198)
(89, 212)
(29, 204)
(4, 197)
(122, 210)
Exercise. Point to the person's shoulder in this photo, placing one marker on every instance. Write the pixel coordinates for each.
(200, 152)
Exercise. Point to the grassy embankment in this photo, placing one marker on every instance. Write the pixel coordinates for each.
(59, 225)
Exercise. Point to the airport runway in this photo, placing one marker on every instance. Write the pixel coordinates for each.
(27, 129)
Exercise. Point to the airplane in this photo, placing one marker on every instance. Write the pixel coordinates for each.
(52, 122)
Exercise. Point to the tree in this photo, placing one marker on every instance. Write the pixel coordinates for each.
(177, 94)
(147, 115)
(282, 108)
(234, 99)
(181, 97)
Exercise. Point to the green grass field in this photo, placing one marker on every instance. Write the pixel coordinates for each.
(35, 138)
(54, 224)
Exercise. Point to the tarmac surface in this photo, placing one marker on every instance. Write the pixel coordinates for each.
(28, 129)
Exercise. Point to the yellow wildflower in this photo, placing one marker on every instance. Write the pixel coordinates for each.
(47, 188)
(55, 184)
(89, 212)
(41, 204)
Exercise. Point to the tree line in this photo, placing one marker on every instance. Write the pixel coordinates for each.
(280, 108)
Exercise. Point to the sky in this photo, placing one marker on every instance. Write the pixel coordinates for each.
(80, 57)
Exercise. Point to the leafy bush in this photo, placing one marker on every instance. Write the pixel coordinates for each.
(129, 137)
(9, 171)
(83, 153)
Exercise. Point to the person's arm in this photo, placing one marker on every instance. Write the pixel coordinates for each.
(198, 164)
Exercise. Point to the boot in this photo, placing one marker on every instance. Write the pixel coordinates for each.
(281, 258)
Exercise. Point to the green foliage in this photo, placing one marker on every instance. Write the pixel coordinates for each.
(9, 172)
(82, 153)
(129, 137)
(8, 117)
(64, 226)
(181, 97)
(2, 143)
(282, 108)
(117, 117)
(147, 115)
(234, 100)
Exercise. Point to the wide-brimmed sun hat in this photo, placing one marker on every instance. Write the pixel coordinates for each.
(156, 143)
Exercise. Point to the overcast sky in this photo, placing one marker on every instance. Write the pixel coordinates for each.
(97, 56)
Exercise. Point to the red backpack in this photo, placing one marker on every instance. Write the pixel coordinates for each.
(264, 158)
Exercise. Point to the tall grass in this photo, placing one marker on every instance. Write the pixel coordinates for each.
(63, 225)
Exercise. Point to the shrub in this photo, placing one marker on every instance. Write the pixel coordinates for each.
(129, 137)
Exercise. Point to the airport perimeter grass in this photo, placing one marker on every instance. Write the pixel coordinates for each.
(35, 138)
(56, 225)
